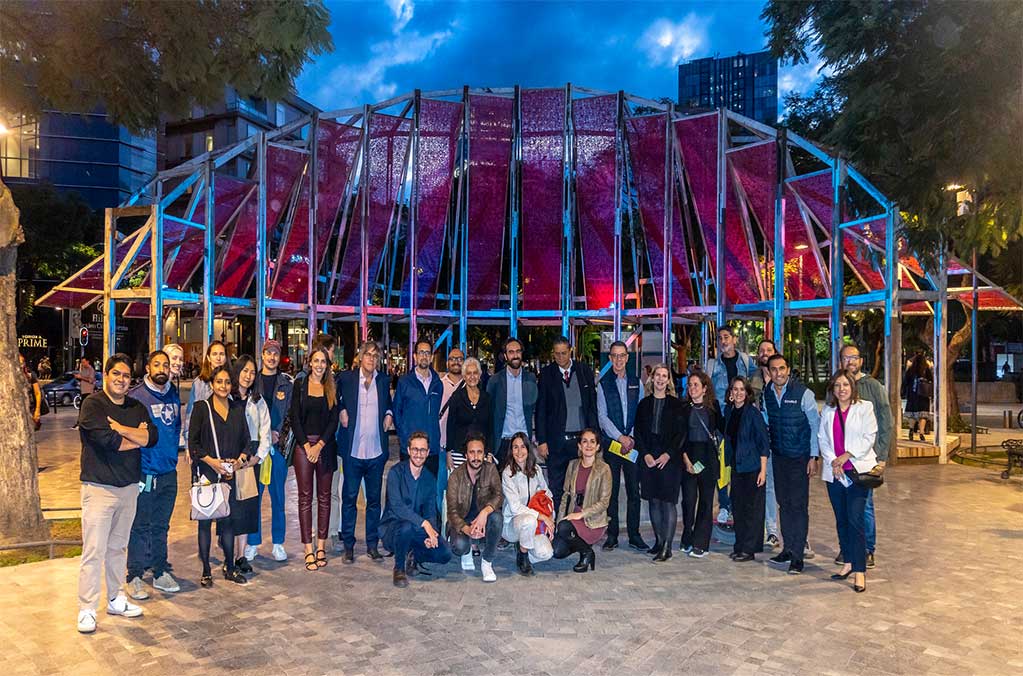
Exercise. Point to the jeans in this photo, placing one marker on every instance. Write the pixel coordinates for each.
(849, 504)
(619, 467)
(869, 523)
(278, 522)
(411, 538)
(147, 547)
(442, 479)
(770, 502)
(461, 543)
(724, 502)
(355, 471)
(793, 487)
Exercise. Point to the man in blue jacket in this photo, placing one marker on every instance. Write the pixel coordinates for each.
(411, 524)
(365, 398)
(147, 546)
(417, 403)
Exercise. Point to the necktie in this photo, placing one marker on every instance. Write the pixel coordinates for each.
(567, 376)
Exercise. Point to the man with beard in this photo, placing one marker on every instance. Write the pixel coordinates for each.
(417, 402)
(760, 379)
(147, 546)
(513, 394)
(474, 507)
(451, 381)
(410, 522)
(870, 389)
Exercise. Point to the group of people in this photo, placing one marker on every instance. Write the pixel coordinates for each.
(470, 479)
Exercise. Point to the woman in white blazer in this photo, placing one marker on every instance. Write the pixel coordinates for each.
(521, 479)
(846, 435)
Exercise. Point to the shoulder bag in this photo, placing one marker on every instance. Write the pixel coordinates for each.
(211, 500)
(869, 480)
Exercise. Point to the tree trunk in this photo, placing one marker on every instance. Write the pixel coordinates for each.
(960, 339)
(21, 519)
(878, 365)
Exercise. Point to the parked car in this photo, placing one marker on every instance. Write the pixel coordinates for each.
(65, 390)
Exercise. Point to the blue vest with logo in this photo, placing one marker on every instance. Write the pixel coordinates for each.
(623, 420)
(789, 427)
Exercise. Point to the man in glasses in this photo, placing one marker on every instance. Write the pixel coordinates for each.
(417, 402)
(870, 389)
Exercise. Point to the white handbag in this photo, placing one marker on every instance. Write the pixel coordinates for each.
(210, 500)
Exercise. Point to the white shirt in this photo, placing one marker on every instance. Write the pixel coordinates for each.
(450, 385)
(514, 415)
(367, 434)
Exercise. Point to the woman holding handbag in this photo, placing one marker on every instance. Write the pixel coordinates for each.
(314, 419)
(521, 480)
(702, 425)
(846, 436)
(658, 437)
(257, 416)
(218, 443)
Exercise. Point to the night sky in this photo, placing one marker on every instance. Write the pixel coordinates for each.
(387, 48)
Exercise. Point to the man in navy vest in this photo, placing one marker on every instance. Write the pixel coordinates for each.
(793, 418)
(617, 399)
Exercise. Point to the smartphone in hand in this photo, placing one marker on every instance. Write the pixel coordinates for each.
(697, 467)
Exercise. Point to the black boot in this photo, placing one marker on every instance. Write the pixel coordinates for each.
(664, 554)
(656, 548)
(587, 560)
(522, 561)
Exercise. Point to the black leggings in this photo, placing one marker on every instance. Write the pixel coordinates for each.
(225, 533)
(663, 517)
(567, 540)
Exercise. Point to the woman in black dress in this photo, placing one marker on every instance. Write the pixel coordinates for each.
(468, 411)
(314, 418)
(218, 441)
(658, 435)
(702, 426)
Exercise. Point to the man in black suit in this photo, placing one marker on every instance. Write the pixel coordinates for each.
(365, 419)
(567, 405)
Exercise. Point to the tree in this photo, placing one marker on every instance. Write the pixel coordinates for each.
(143, 59)
(137, 60)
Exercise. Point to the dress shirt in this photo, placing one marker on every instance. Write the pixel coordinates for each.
(367, 439)
(450, 385)
(514, 417)
(425, 381)
(606, 426)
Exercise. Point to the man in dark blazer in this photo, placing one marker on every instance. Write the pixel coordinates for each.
(365, 419)
(567, 405)
(513, 396)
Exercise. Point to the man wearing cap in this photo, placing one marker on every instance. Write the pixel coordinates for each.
(275, 387)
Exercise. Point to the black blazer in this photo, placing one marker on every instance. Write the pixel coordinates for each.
(348, 391)
(671, 428)
(717, 424)
(551, 410)
(463, 418)
(299, 399)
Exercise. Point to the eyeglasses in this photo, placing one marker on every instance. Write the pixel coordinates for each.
(424, 353)
(852, 357)
(456, 359)
(620, 356)
(419, 451)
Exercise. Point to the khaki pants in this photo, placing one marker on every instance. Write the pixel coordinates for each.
(107, 515)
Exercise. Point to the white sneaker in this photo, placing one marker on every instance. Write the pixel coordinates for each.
(166, 583)
(723, 516)
(278, 553)
(488, 571)
(86, 621)
(137, 589)
(808, 552)
(251, 552)
(467, 562)
(120, 606)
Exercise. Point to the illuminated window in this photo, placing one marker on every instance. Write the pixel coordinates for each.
(19, 146)
(209, 142)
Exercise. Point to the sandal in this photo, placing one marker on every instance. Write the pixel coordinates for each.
(310, 561)
(321, 558)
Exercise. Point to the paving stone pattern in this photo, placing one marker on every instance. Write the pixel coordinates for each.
(945, 598)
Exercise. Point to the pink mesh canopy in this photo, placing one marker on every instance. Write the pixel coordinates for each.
(989, 299)
(335, 153)
(439, 124)
(543, 144)
(647, 146)
(595, 122)
(388, 152)
(490, 133)
(236, 273)
(89, 277)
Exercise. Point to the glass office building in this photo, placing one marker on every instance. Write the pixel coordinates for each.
(745, 83)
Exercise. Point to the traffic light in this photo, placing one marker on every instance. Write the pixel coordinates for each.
(83, 336)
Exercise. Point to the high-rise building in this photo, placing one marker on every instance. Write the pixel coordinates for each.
(76, 152)
(745, 83)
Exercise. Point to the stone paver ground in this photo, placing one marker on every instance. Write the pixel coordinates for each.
(945, 598)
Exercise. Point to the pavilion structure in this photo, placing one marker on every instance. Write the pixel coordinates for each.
(518, 206)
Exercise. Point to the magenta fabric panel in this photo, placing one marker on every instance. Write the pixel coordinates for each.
(698, 141)
(858, 256)
(595, 120)
(68, 299)
(236, 273)
(389, 138)
(490, 140)
(646, 136)
(543, 189)
(990, 299)
(335, 152)
(804, 279)
(756, 166)
(439, 124)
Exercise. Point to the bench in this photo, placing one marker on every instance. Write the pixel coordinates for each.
(1014, 454)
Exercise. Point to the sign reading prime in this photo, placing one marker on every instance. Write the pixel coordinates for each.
(32, 342)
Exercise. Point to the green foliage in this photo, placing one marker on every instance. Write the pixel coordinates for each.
(929, 95)
(141, 59)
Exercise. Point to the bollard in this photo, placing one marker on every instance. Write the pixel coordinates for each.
(1007, 419)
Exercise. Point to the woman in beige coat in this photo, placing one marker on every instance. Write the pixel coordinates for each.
(582, 515)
